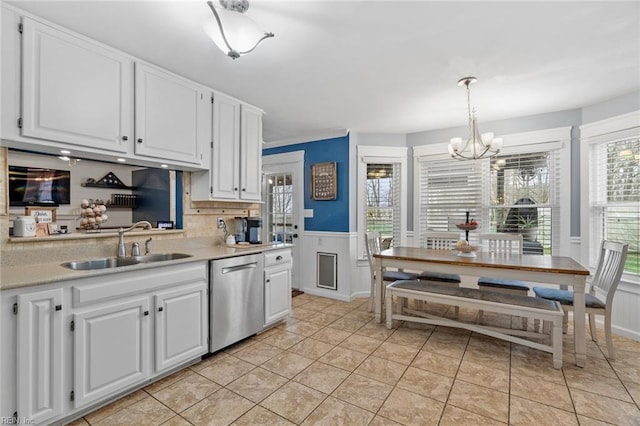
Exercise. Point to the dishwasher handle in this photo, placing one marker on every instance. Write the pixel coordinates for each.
(230, 269)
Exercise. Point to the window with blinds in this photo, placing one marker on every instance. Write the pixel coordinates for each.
(382, 213)
(614, 199)
(521, 199)
(514, 193)
(448, 190)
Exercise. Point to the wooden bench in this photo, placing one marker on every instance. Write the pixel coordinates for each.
(550, 312)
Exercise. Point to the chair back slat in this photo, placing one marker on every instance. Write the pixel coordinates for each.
(613, 256)
(373, 245)
(502, 243)
(445, 240)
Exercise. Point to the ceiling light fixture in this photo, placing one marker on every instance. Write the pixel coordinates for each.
(477, 146)
(240, 34)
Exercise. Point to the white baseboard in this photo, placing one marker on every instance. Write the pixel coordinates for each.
(625, 332)
(330, 294)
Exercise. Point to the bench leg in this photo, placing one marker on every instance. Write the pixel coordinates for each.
(556, 342)
(389, 309)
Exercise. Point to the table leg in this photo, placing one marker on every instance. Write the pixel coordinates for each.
(579, 321)
(377, 264)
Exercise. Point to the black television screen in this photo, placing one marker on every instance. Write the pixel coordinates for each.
(31, 186)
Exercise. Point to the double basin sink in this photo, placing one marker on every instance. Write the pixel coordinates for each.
(116, 262)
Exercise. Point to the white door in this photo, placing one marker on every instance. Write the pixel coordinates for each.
(283, 197)
(111, 349)
(167, 119)
(40, 355)
(75, 91)
(181, 324)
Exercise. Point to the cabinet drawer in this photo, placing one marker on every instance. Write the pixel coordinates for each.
(277, 257)
(114, 286)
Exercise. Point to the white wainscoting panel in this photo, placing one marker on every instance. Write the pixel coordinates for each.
(344, 244)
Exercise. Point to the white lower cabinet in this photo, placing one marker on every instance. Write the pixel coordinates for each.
(70, 346)
(159, 321)
(181, 330)
(39, 355)
(111, 349)
(277, 285)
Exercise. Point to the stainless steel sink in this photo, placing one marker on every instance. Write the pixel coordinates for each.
(105, 263)
(159, 257)
(115, 262)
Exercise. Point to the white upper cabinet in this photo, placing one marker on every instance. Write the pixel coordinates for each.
(171, 115)
(74, 91)
(235, 171)
(226, 148)
(251, 153)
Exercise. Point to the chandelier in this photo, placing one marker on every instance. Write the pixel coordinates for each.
(232, 31)
(477, 146)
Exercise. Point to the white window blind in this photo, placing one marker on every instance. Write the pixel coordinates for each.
(614, 195)
(524, 197)
(448, 189)
(493, 191)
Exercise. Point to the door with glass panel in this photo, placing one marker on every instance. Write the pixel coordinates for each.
(282, 193)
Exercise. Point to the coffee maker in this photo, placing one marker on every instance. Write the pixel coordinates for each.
(240, 229)
(254, 230)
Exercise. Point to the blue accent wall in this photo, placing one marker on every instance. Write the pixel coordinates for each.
(331, 215)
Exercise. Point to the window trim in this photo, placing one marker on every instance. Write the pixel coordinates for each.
(591, 133)
(558, 138)
(380, 155)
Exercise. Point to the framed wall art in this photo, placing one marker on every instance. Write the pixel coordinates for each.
(324, 181)
(41, 214)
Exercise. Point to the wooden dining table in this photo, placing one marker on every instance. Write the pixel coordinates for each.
(545, 269)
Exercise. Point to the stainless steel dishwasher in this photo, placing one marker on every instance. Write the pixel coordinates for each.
(236, 300)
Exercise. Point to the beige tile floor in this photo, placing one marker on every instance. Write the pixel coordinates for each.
(330, 364)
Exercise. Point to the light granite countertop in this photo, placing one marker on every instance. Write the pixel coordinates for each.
(26, 275)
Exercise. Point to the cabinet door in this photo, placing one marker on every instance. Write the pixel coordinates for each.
(182, 325)
(74, 91)
(40, 355)
(111, 349)
(277, 293)
(226, 148)
(251, 154)
(167, 119)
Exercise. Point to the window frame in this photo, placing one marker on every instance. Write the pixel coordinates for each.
(555, 139)
(380, 155)
(595, 133)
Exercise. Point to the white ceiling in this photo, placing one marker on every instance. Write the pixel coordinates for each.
(384, 66)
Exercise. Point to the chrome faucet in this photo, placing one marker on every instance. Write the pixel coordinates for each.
(122, 250)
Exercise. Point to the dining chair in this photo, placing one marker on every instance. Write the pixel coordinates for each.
(506, 244)
(373, 246)
(441, 240)
(613, 256)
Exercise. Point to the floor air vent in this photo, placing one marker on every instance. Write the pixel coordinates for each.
(327, 270)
